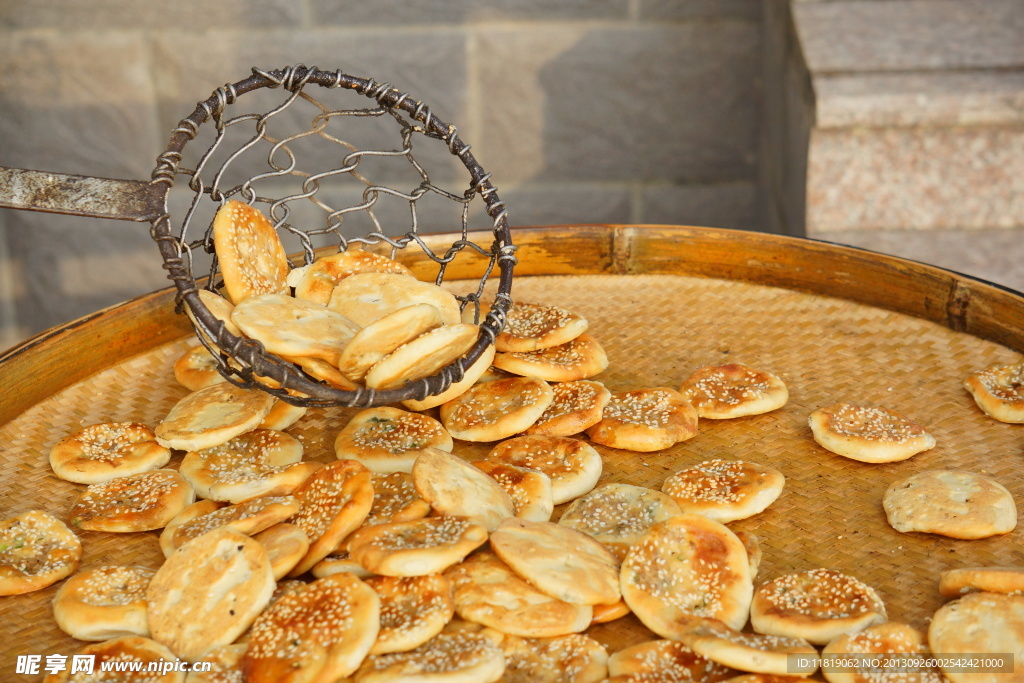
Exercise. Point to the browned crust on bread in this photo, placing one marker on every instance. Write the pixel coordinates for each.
(999, 391)
(252, 259)
(720, 392)
(36, 550)
(101, 452)
(645, 420)
(496, 410)
(576, 407)
(817, 605)
(577, 359)
(423, 546)
(138, 502)
(321, 277)
(335, 500)
(319, 633)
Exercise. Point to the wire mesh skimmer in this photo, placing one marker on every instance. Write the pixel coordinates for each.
(312, 200)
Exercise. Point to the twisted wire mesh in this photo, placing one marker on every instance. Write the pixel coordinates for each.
(304, 185)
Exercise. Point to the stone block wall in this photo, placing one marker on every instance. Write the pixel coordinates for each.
(917, 146)
(643, 111)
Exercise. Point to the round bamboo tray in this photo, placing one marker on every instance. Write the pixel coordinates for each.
(837, 324)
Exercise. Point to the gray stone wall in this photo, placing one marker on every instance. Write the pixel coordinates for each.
(584, 110)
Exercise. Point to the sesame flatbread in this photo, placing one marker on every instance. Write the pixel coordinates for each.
(722, 392)
(999, 391)
(251, 257)
(725, 490)
(36, 550)
(316, 282)
(617, 515)
(686, 566)
(101, 452)
(103, 603)
(496, 410)
(817, 605)
(868, 434)
(645, 420)
(580, 358)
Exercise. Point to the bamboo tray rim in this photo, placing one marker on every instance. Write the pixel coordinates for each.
(961, 302)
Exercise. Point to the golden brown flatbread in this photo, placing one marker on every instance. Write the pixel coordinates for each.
(999, 391)
(36, 550)
(251, 257)
(722, 392)
(683, 567)
(817, 605)
(645, 420)
(868, 434)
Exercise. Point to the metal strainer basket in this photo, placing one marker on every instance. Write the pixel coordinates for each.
(310, 165)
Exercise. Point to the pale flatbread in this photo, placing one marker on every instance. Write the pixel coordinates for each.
(950, 503)
(295, 328)
(868, 434)
(560, 561)
(212, 416)
(454, 487)
(367, 297)
(752, 652)
(817, 605)
(469, 378)
(423, 356)
(374, 342)
(316, 282)
(221, 580)
(486, 591)
(617, 515)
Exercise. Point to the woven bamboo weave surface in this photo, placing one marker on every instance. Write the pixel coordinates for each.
(656, 330)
